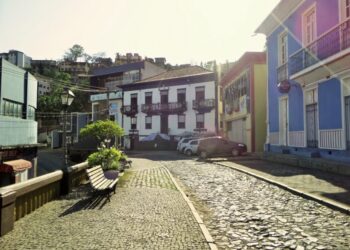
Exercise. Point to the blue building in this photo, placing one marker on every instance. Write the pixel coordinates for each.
(18, 128)
(308, 57)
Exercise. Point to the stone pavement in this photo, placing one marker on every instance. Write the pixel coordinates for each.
(147, 212)
(324, 186)
(243, 212)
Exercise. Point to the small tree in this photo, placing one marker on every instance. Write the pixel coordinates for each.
(102, 130)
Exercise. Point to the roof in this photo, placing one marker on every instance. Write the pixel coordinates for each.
(118, 69)
(177, 73)
(15, 166)
(246, 59)
(282, 11)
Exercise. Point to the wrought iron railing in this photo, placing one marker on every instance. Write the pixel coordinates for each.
(205, 104)
(332, 42)
(171, 107)
(282, 72)
(129, 110)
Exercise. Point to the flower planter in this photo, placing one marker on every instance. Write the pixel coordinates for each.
(111, 174)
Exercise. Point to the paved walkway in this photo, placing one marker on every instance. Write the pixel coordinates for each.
(325, 186)
(243, 212)
(147, 212)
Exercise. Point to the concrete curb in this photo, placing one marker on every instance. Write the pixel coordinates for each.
(326, 202)
(202, 226)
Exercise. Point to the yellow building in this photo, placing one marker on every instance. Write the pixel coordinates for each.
(244, 101)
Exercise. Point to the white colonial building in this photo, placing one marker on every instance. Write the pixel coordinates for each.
(172, 103)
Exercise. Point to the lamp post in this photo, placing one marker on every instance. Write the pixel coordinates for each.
(67, 98)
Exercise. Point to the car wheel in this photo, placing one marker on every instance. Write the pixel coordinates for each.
(203, 154)
(188, 152)
(235, 152)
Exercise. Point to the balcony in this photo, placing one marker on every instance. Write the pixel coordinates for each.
(129, 110)
(328, 55)
(204, 106)
(164, 108)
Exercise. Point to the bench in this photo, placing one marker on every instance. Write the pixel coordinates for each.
(99, 182)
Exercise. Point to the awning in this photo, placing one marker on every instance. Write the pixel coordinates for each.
(15, 166)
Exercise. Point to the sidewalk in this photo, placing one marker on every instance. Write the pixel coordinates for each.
(328, 188)
(147, 212)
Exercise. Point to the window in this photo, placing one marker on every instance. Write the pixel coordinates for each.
(13, 109)
(283, 48)
(309, 26)
(164, 96)
(233, 93)
(30, 113)
(181, 95)
(200, 93)
(181, 121)
(148, 98)
(200, 121)
(133, 122)
(194, 143)
(133, 99)
(148, 122)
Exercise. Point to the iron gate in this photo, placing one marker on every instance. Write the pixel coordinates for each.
(347, 121)
(311, 125)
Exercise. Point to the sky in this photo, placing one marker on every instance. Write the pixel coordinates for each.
(182, 31)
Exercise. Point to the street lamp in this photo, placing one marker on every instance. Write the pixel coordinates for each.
(67, 97)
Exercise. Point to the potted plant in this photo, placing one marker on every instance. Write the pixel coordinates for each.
(108, 158)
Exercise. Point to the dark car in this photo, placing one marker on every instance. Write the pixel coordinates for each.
(218, 146)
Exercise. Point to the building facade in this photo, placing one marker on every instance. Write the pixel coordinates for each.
(172, 103)
(18, 128)
(244, 101)
(308, 50)
(108, 105)
(17, 58)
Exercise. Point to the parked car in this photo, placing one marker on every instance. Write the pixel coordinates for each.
(192, 146)
(219, 146)
(182, 142)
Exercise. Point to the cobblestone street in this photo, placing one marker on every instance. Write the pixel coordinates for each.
(147, 212)
(242, 212)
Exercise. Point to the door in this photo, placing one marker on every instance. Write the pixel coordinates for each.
(311, 125)
(347, 121)
(238, 131)
(164, 124)
(344, 28)
(283, 126)
(309, 35)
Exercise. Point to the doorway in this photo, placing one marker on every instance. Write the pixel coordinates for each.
(347, 121)
(164, 124)
(283, 126)
(311, 125)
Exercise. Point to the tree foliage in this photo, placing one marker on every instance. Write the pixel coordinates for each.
(108, 158)
(74, 53)
(102, 130)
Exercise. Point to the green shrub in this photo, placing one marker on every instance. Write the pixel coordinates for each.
(108, 158)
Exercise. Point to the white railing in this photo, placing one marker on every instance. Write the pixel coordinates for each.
(329, 43)
(296, 138)
(274, 138)
(331, 139)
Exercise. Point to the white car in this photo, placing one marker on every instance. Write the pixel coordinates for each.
(191, 147)
(182, 143)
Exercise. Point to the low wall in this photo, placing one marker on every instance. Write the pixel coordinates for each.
(20, 199)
